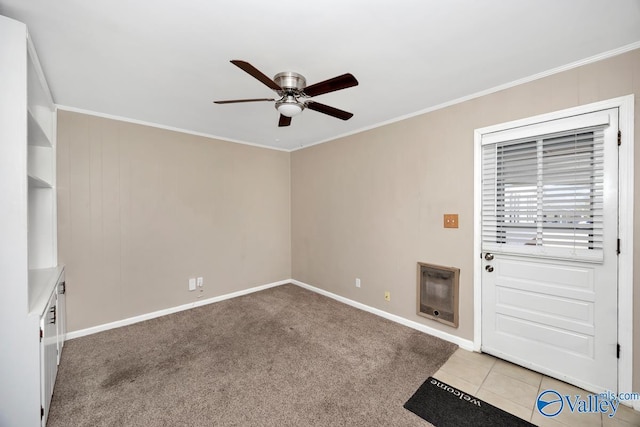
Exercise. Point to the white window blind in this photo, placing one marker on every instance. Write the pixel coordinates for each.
(544, 195)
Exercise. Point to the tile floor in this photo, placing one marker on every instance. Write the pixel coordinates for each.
(515, 390)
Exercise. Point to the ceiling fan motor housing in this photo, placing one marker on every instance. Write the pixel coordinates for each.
(289, 80)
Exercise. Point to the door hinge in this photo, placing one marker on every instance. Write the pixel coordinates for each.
(619, 138)
(41, 412)
(41, 334)
(618, 352)
(618, 247)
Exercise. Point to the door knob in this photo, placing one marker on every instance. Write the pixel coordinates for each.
(489, 268)
(488, 256)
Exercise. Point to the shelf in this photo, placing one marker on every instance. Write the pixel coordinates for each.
(41, 233)
(35, 134)
(39, 102)
(36, 182)
(42, 283)
(40, 163)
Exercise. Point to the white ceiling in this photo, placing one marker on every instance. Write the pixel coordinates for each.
(165, 61)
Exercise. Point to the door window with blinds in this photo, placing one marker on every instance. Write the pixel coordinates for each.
(543, 186)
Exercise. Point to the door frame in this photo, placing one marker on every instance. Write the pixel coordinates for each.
(625, 106)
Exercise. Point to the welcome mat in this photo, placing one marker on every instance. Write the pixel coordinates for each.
(446, 406)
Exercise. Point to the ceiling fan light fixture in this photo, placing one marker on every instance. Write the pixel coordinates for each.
(289, 107)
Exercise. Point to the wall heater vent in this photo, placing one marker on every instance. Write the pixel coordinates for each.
(438, 293)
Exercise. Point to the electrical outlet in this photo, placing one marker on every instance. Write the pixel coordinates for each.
(192, 284)
(387, 296)
(200, 282)
(357, 282)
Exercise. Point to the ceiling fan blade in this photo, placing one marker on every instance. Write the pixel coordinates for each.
(284, 121)
(253, 71)
(233, 101)
(331, 111)
(341, 82)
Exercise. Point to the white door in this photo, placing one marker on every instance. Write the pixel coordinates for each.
(549, 247)
(48, 355)
(61, 314)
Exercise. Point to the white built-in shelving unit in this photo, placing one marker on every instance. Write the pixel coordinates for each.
(32, 307)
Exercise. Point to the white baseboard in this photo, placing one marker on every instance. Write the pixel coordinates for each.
(461, 342)
(164, 312)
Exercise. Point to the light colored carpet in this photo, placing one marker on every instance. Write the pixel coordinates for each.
(284, 356)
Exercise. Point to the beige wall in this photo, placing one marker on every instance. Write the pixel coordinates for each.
(371, 205)
(140, 210)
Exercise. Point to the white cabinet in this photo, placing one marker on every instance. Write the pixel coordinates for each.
(30, 277)
(48, 355)
(52, 331)
(61, 314)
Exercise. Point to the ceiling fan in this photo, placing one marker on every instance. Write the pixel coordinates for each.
(294, 93)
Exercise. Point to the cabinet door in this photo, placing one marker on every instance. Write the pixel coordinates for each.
(48, 353)
(61, 314)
